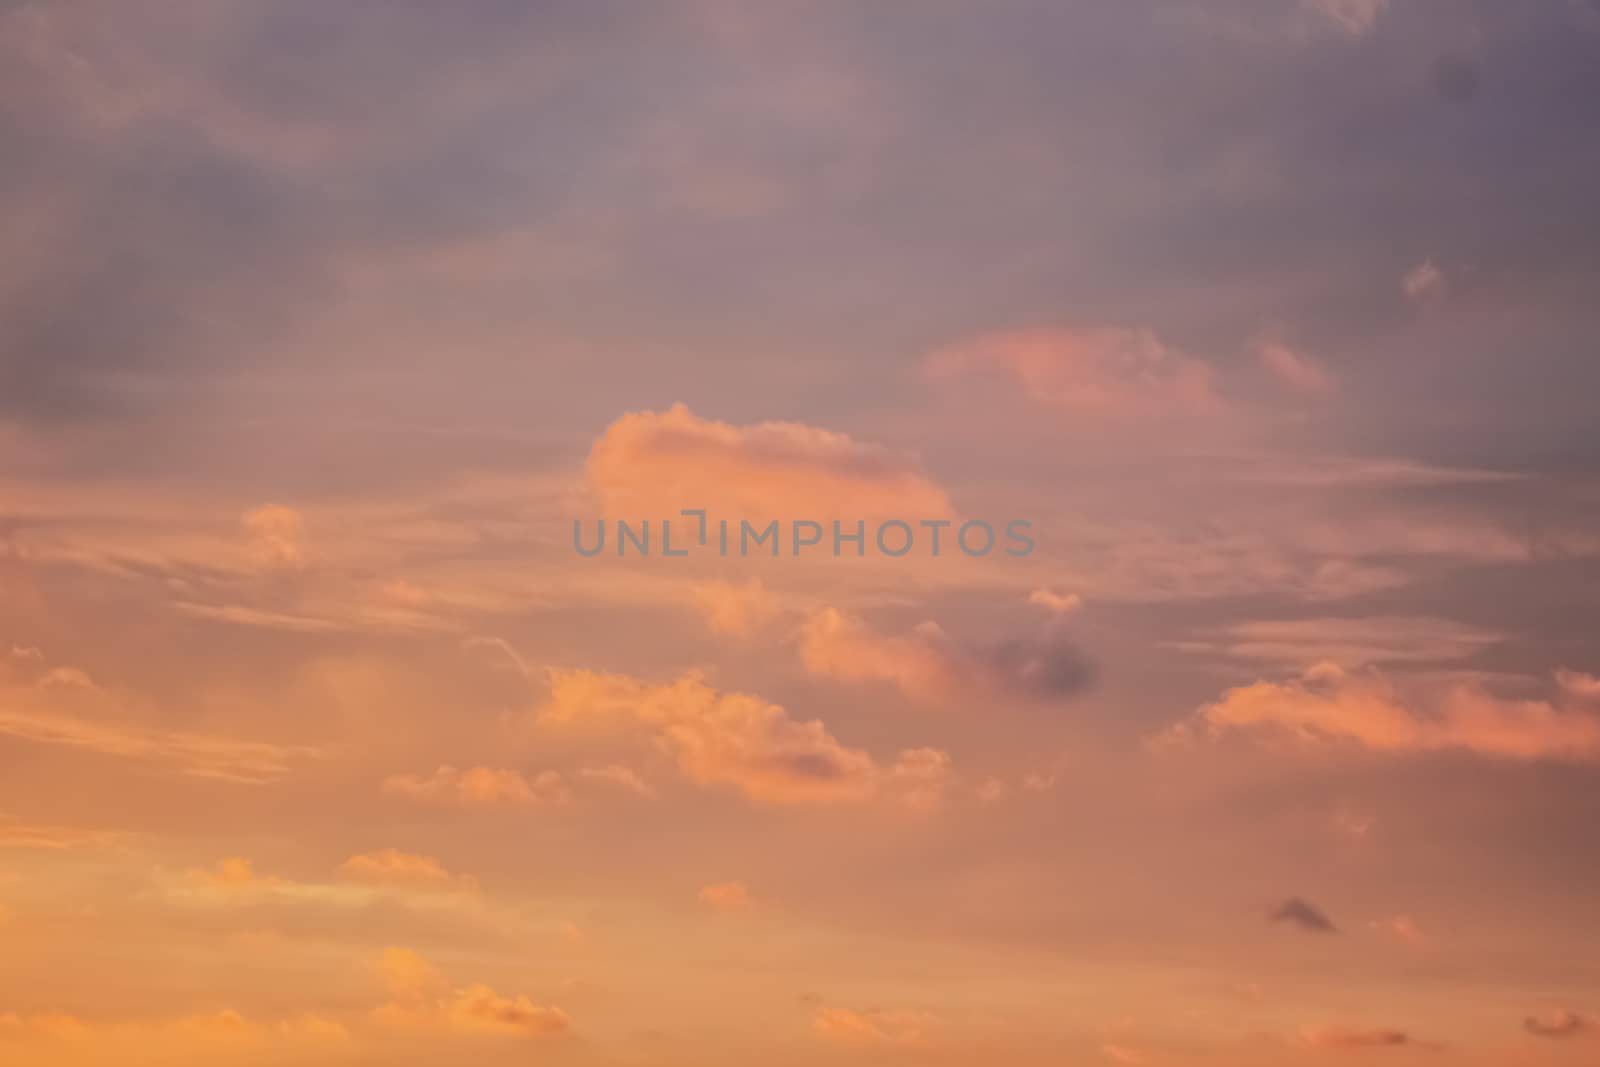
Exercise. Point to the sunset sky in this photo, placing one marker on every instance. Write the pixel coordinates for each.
(322, 324)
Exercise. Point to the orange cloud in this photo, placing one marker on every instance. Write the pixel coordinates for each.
(652, 464)
(1328, 704)
(62, 706)
(277, 537)
(1349, 1038)
(1054, 602)
(234, 874)
(480, 787)
(390, 866)
(716, 738)
(736, 610)
(1091, 370)
(836, 645)
(726, 896)
(420, 997)
(873, 1025)
(621, 777)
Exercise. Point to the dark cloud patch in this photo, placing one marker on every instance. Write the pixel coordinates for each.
(1298, 912)
(1046, 666)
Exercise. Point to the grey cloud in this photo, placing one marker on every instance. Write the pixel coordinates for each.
(1299, 912)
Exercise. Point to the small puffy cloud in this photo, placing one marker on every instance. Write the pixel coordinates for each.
(406, 974)
(1120, 1053)
(478, 1007)
(480, 788)
(1090, 370)
(1294, 369)
(927, 664)
(1355, 17)
(1054, 602)
(625, 778)
(657, 463)
(233, 873)
(736, 609)
(1556, 1024)
(1349, 1038)
(1302, 913)
(1328, 704)
(840, 646)
(391, 867)
(873, 1025)
(1423, 282)
(726, 896)
(716, 738)
(277, 536)
(421, 997)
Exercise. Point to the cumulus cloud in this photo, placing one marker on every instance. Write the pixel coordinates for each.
(1329, 704)
(480, 788)
(233, 873)
(1120, 1053)
(1299, 912)
(928, 664)
(736, 609)
(277, 536)
(717, 738)
(421, 997)
(652, 464)
(1089, 370)
(1556, 1024)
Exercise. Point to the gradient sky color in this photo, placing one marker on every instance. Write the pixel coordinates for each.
(321, 323)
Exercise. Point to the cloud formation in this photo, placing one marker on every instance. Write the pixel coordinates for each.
(1327, 704)
(1299, 912)
(929, 665)
(1348, 1038)
(391, 867)
(653, 464)
(733, 739)
(1107, 371)
(421, 998)
(480, 788)
(1558, 1024)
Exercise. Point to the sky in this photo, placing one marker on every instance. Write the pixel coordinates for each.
(1266, 326)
